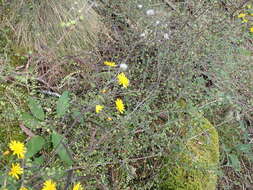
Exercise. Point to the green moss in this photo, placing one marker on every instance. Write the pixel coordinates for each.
(195, 168)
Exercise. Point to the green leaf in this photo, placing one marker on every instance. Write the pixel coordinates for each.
(235, 163)
(29, 120)
(246, 148)
(39, 161)
(34, 145)
(61, 149)
(36, 109)
(62, 104)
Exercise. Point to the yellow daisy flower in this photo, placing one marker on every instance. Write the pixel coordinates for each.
(123, 80)
(16, 170)
(49, 185)
(23, 188)
(18, 148)
(78, 186)
(251, 29)
(120, 105)
(110, 64)
(241, 15)
(99, 108)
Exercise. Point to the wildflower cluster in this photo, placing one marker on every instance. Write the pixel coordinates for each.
(18, 149)
(247, 16)
(122, 81)
(51, 185)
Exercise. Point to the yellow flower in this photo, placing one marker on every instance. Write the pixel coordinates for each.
(18, 148)
(119, 105)
(49, 185)
(109, 118)
(241, 15)
(78, 186)
(23, 188)
(99, 108)
(251, 14)
(15, 170)
(110, 64)
(245, 20)
(251, 29)
(123, 80)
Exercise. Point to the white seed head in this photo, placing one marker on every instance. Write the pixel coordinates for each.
(150, 12)
(139, 6)
(143, 34)
(166, 36)
(123, 66)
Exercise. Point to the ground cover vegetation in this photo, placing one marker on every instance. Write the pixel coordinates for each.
(137, 94)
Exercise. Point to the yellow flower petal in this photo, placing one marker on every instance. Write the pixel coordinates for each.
(123, 80)
(245, 20)
(241, 15)
(49, 185)
(120, 105)
(23, 188)
(110, 63)
(18, 149)
(251, 29)
(16, 170)
(99, 108)
(78, 186)
(109, 118)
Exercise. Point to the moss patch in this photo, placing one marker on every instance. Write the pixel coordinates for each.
(195, 168)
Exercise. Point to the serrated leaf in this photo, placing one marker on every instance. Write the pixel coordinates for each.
(60, 148)
(62, 104)
(36, 109)
(34, 145)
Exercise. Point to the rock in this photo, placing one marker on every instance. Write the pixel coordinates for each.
(195, 167)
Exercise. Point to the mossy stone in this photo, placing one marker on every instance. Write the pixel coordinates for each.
(196, 167)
